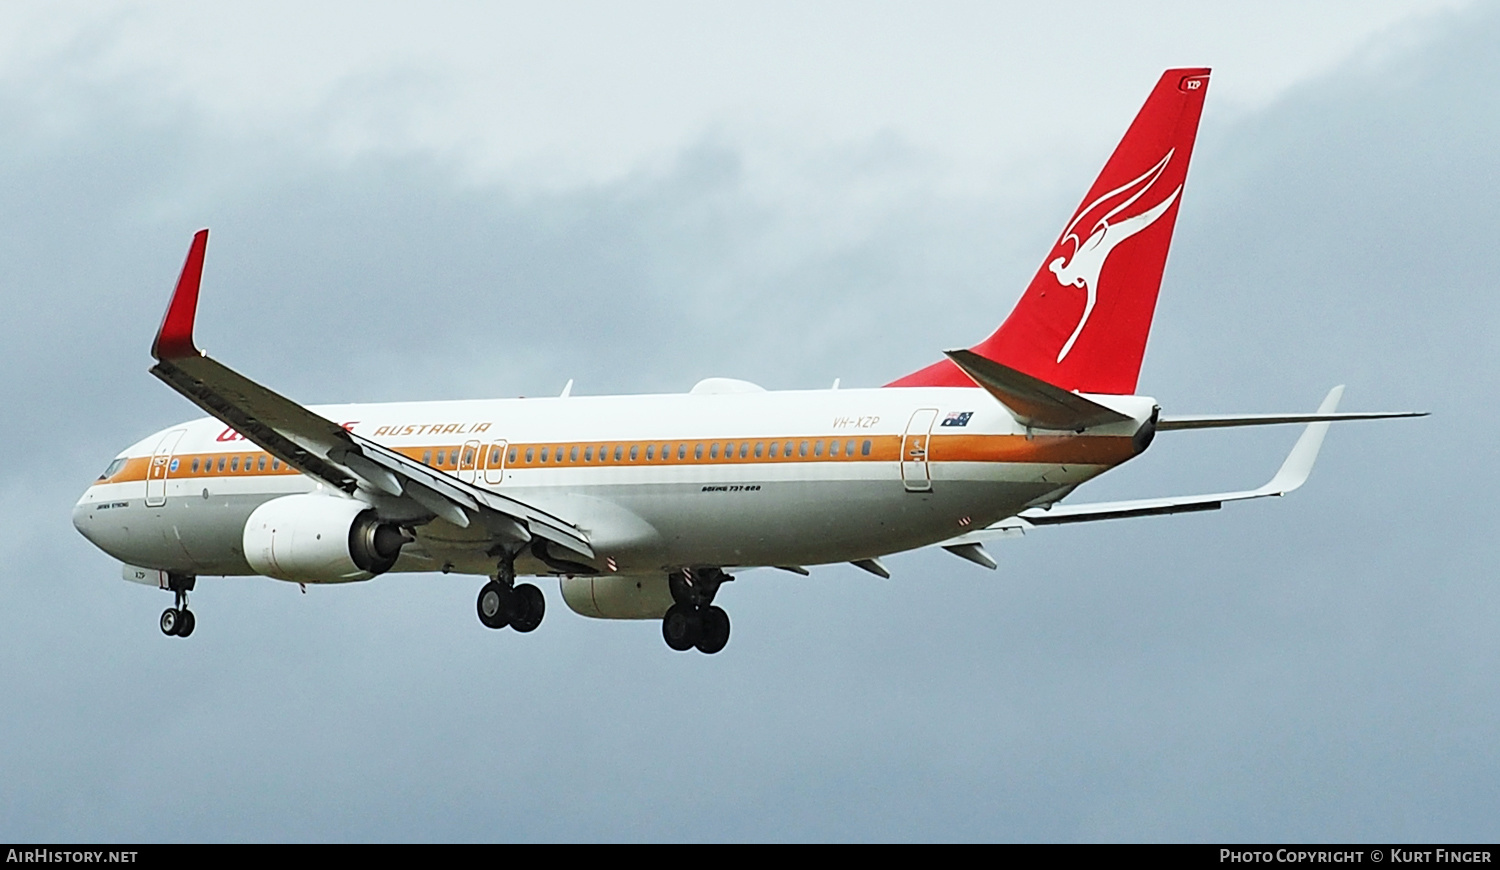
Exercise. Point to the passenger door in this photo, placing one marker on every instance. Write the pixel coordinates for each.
(914, 471)
(161, 468)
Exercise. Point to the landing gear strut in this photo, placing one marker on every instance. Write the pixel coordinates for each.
(501, 602)
(178, 621)
(693, 621)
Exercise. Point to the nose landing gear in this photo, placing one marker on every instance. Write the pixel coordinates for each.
(693, 621)
(178, 621)
(501, 602)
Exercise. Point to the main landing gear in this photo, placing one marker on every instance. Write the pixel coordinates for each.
(178, 621)
(693, 621)
(501, 602)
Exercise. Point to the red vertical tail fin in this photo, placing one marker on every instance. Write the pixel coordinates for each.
(1083, 321)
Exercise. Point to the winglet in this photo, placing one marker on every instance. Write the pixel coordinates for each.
(1299, 463)
(174, 339)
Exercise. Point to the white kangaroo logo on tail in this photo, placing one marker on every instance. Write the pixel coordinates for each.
(1089, 254)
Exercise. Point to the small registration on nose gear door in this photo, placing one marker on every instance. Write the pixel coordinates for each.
(914, 472)
(161, 468)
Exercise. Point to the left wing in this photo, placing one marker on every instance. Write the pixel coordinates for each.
(319, 447)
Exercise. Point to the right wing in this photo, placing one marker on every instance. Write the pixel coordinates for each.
(319, 447)
(1292, 474)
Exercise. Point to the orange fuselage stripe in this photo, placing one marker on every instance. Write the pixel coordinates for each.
(1043, 449)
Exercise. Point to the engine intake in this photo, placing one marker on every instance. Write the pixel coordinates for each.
(315, 538)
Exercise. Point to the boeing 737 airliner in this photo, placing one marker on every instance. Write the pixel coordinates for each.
(641, 504)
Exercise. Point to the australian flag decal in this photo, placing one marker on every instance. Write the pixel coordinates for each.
(957, 418)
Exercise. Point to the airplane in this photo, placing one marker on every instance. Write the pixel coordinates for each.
(642, 505)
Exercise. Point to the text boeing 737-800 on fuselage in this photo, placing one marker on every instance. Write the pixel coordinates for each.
(639, 504)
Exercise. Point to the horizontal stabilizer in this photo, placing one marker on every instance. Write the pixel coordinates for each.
(1034, 402)
(1221, 421)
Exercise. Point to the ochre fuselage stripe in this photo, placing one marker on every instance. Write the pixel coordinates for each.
(1104, 450)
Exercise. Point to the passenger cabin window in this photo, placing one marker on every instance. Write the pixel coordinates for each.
(234, 464)
(260, 464)
(818, 449)
(802, 449)
(530, 454)
(635, 450)
(775, 448)
(848, 448)
(573, 453)
(682, 451)
(275, 464)
(698, 451)
(544, 453)
(760, 449)
(221, 463)
(588, 453)
(619, 452)
(864, 449)
(744, 449)
(195, 468)
(665, 449)
(513, 452)
(495, 457)
(786, 450)
(713, 450)
(426, 457)
(650, 452)
(833, 448)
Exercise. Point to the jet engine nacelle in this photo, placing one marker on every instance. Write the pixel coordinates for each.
(315, 538)
(617, 596)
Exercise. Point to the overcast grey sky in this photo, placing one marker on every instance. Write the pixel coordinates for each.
(487, 201)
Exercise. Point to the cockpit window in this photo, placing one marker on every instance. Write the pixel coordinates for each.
(113, 469)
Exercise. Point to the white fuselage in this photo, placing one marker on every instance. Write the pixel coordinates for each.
(724, 476)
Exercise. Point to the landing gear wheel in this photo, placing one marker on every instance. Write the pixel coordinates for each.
(185, 623)
(495, 605)
(715, 631)
(528, 606)
(171, 620)
(680, 627)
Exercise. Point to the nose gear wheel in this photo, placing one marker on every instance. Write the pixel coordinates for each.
(178, 621)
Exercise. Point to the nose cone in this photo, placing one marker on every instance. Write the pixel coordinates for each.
(104, 524)
(84, 517)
